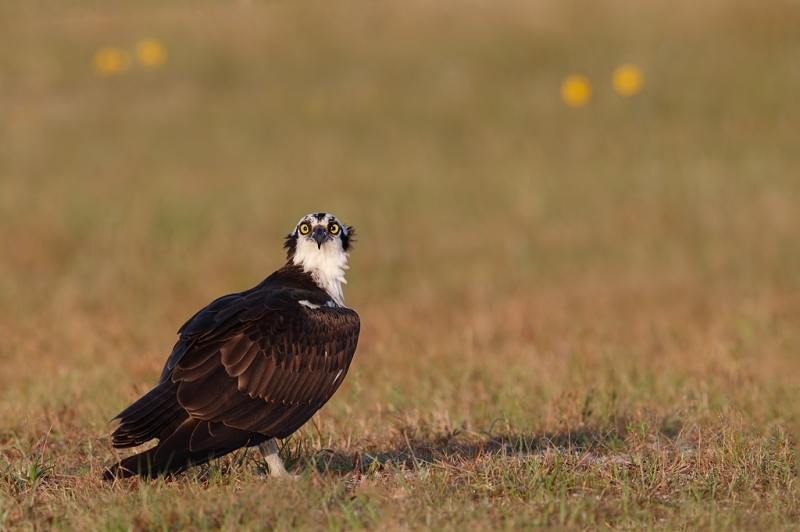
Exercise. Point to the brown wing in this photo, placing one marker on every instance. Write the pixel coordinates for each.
(248, 367)
(268, 365)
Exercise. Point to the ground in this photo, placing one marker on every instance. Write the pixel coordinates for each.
(572, 316)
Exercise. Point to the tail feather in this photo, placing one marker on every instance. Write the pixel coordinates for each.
(176, 452)
(138, 464)
(149, 417)
(133, 435)
(146, 403)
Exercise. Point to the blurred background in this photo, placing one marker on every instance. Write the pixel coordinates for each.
(532, 234)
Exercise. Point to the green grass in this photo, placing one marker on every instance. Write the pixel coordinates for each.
(571, 318)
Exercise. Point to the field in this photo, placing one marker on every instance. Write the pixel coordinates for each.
(572, 317)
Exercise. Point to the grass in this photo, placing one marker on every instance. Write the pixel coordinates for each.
(572, 318)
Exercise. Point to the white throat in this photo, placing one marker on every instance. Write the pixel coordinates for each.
(326, 265)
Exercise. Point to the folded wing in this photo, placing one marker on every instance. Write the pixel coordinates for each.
(247, 368)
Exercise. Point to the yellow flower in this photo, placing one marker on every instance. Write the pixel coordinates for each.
(576, 91)
(151, 53)
(627, 80)
(108, 61)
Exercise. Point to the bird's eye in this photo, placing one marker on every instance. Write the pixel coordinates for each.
(334, 228)
(304, 229)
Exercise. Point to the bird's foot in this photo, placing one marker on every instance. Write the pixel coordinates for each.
(274, 462)
(276, 469)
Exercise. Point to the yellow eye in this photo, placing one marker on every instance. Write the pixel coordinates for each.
(304, 229)
(334, 229)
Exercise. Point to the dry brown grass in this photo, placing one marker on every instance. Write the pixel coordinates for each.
(571, 317)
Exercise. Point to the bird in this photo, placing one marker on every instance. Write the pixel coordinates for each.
(251, 367)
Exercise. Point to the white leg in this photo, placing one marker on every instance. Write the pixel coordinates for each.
(274, 463)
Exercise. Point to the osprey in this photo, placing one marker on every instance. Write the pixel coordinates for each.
(250, 367)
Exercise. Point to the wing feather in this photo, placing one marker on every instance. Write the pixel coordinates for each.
(279, 393)
(223, 408)
(313, 385)
(201, 390)
(268, 412)
(205, 369)
(204, 410)
(239, 367)
(266, 379)
(201, 355)
(262, 362)
(250, 380)
(235, 350)
(297, 419)
(280, 417)
(298, 387)
(245, 415)
(248, 367)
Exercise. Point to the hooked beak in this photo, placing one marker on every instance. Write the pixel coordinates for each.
(320, 236)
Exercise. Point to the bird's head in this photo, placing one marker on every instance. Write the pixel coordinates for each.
(320, 244)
